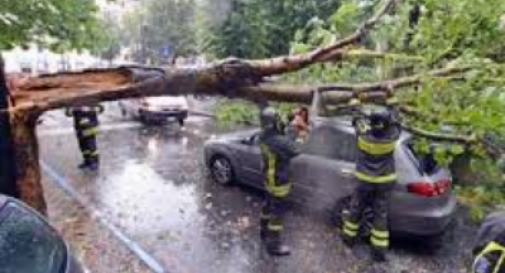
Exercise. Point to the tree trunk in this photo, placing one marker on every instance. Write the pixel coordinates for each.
(7, 158)
(23, 126)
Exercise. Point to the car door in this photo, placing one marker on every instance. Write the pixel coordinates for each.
(324, 173)
(250, 161)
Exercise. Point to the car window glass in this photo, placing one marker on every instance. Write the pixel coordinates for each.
(330, 142)
(425, 162)
(28, 244)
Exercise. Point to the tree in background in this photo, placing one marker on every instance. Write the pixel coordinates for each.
(56, 24)
(162, 30)
(108, 40)
(262, 28)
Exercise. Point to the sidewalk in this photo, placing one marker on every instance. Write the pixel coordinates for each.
(92, 243)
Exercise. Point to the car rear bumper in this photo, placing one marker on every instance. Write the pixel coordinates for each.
(421, 216)
(163, 114)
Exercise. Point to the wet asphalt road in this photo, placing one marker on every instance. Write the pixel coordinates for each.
(153, 186)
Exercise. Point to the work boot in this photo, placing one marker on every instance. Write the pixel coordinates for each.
(278, 249)
(83, 165)
(379, 255)
(93, 166)
(349, 241)
(275, 246)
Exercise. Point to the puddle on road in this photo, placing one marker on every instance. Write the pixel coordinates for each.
(143, 199)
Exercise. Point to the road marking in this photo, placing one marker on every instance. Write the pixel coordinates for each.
(62, 182)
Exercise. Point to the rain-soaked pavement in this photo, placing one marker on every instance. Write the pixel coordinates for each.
(152, 186)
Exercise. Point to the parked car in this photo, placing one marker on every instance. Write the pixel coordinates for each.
(28, 243)
(156, 109)
(422, 202)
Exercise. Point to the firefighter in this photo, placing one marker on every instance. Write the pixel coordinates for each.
(86, 128)
(489, 248)
(377, 135)
(277, 151)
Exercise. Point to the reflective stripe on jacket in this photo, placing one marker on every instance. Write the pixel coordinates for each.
(277, 151)
(85, 119)
(490, 259)
(375, 161)
(489, 248)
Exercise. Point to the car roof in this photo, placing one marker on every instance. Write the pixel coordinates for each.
(344, 124)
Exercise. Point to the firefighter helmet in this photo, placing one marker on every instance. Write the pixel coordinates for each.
(269, 119)
(380, 120)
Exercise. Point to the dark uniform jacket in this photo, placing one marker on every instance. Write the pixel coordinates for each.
(277, 151)
(489, 249)
(375, 161)
(85, 118)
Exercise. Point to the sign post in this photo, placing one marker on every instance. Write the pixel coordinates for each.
(166, 52)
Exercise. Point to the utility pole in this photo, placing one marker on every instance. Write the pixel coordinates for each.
(8, 170)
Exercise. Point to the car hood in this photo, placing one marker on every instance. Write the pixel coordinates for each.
(234, 136)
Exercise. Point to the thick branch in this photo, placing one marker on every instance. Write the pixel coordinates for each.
(440, 136)
(453, 73)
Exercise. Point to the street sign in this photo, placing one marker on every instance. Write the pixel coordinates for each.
(166, 51)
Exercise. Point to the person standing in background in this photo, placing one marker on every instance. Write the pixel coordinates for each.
(86, 128)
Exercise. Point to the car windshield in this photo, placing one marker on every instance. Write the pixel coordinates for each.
(28, 244)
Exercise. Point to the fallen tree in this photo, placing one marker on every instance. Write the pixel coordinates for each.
(234, 78)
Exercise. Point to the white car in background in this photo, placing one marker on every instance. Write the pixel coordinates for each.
(156, 110)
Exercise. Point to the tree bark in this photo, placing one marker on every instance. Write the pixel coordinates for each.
(7, 157)
(27, 156)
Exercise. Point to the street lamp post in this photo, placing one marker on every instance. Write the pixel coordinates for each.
(8, 168)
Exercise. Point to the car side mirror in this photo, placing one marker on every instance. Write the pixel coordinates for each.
(28, 243)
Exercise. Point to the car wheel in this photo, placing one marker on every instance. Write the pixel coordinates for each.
(145, 120)
(341, 210)
(338, 210)
(222, 170)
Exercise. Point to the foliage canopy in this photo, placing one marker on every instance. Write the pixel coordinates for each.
(159, 24)
(57, 24)
(263, 28)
